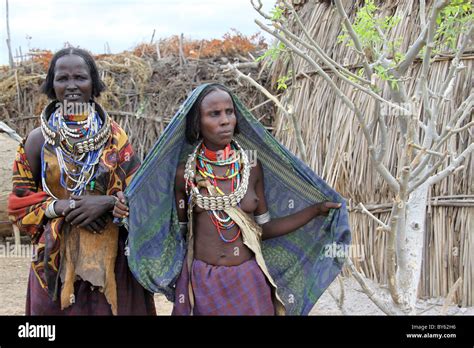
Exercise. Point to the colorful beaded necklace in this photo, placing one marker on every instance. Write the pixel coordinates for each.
(84, 164)
(227, 157)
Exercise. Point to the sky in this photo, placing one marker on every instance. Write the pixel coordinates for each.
(122, 24)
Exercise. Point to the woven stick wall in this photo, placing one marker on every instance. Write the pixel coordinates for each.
(337, 151)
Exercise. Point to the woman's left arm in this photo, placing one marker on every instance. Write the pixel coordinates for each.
(280, 226)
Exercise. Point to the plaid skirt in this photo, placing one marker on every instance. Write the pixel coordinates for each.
(224, 290)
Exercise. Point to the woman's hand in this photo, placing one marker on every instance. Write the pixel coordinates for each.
(62, 205)
(324, 207)
(87, 211)
(120, 209)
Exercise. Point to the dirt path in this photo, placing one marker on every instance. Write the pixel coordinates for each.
(14, 274)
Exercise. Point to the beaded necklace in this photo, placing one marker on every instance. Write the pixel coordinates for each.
(215, 202)
(84, 164)
(84, 144)
(205, 160)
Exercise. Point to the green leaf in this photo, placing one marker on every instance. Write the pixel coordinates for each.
(452, 21)
(281, 83)
(365, 26)
(273, 52)
(277, 13)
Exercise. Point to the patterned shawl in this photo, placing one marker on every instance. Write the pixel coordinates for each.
(298, 262)
(27, 203)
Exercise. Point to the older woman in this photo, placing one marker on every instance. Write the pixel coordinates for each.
(66, 174)
(221, 201)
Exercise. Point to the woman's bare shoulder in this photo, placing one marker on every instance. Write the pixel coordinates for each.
(34, 142)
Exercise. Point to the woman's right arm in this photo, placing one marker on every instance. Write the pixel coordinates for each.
(26, 204)
(33, 145)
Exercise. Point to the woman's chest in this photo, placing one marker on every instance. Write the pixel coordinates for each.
(63, 175)
(248, 203)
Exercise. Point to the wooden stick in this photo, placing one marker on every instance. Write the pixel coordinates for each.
(182, 59)
(374, 297)
(10, 56)
(450, 296)
(385, 227)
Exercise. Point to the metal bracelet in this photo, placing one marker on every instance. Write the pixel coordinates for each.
(263, 219)
(50, 212)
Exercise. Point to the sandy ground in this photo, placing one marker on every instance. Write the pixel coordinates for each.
(14, 274)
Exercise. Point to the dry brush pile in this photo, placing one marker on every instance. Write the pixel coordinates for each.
(145, 86)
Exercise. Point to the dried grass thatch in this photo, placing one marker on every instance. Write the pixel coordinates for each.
(337, 150)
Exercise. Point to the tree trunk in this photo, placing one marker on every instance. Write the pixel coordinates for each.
(410, 248)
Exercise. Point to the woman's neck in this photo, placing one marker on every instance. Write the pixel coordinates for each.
(75, 117)
(214, 147)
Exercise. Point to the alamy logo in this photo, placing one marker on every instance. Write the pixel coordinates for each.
(354, 251)
(37, 331)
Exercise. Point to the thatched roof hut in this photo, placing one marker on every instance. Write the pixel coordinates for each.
(337, 151)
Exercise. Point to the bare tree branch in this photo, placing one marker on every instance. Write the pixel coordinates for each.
(329, 65)
(460, 129)
(422, 87)
(258, 8)
(430, 172)
(412, 52)
(459, 116)
(383, 171)
(425, 150)
(380, 119)
(288, 113)
(421, 40)
(437, 7)
(456, 65)
(452, 167)
(354, 37)
(385, 227)
(374, 297)
(421, 155)
(320, 52)
(422, 13)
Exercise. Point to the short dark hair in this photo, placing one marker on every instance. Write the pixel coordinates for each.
(193, 118)
(98, 85)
